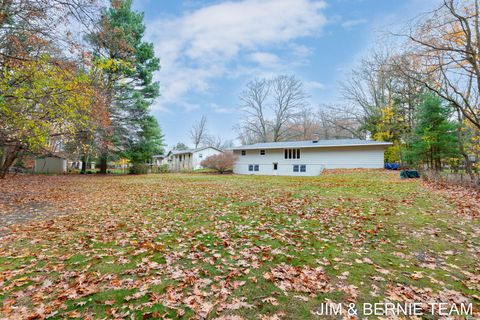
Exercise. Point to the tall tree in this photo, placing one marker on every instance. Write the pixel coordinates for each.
(434, 138)
(446, 43)
(288, 99)
(198, 132)
(128, 63)
(47, 100)
(270, 107)
(254, 101)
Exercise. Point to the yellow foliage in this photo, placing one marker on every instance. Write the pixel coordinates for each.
(40, 99)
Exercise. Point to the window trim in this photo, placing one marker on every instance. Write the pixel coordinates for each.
(243, 152)
(262, 152)
(250, 167)
(256, 167)
(275, 166)
(296, 168)
(293, 153)
(304, 167)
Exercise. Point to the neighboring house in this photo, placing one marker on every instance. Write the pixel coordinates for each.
(190, 159)
(50, 164)
(308, 158)
(158, 160)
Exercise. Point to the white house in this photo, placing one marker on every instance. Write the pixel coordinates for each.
(190, 159)
(158, 160)
(308, 158)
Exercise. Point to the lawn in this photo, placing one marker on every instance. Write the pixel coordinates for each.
(231, 247)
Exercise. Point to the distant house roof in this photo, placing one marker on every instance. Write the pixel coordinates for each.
(313, 144)
(174, 152)
(51, 155)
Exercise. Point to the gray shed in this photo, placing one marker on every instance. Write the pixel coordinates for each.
(50, 164)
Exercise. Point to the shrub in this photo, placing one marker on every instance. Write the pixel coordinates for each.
(161, 169)
(138, 168)
(221, 163)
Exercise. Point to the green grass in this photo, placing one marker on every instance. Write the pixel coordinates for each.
(182, 241)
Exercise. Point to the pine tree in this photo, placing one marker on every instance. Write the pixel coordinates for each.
(434, 138)
(128, 64)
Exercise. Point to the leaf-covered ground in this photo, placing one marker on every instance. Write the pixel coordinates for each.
(231, 247)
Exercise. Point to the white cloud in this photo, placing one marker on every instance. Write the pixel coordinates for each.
(218, 40)
(314, 85)
(265, 59)
(353, 22)
(218, 109)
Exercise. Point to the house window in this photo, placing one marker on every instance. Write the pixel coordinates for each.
(275, 166)
(244, 152)
(200, 155)
(295, 168)
(255, 168)
(262, 152)
(292, 153)
(303, 168)
(250, 167)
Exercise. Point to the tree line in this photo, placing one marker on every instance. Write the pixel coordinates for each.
(76, 73)
(421, 93)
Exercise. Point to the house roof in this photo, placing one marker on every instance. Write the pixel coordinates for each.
(159, 156)
(174, 152)
(313, 144)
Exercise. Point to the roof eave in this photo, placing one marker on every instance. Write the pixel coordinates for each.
(313, 146)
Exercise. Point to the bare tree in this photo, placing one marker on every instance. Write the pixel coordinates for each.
(218, 142)
(288, 98)
(270, 108)
(198, 132)
(254, 106)
(339, 121)
(305, 125)
(370, 86)
(445, 44)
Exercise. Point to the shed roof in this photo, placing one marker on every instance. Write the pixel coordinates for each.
(313, 144)
(191, 150)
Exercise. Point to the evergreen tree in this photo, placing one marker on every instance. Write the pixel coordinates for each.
(149, 142)
(434, 138)
(128, 64)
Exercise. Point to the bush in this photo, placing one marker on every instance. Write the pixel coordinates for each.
(161, 169)
(221, 163)
(138, 168)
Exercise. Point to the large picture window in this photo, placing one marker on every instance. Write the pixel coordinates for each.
(292, 153)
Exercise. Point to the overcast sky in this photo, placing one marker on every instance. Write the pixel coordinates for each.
(209, 50)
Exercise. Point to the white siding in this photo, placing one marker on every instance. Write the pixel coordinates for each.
(50, 165)
(200, 155)
(315, 159)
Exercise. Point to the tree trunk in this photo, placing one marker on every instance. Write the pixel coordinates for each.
(103, 164)
(461, 138)
(84, 164)
(9, 160)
